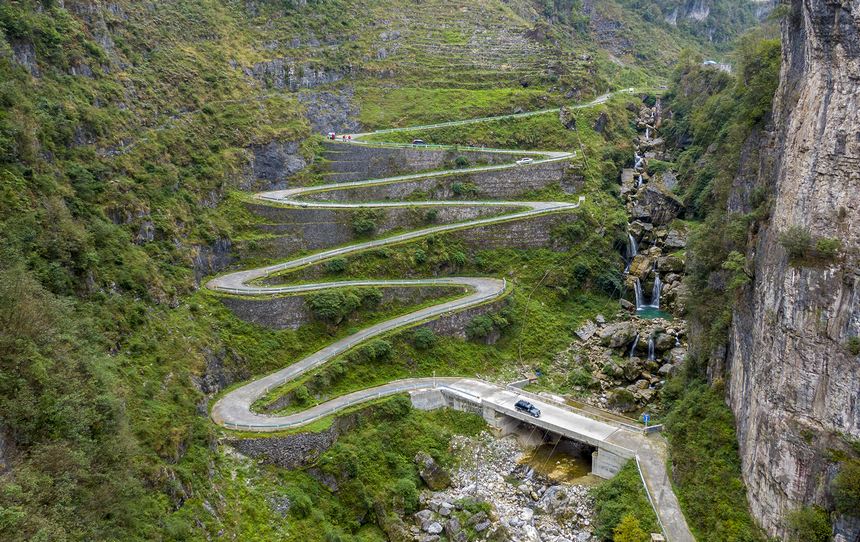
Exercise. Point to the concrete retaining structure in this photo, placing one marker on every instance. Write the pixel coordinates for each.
(356, 162)
(493, 184)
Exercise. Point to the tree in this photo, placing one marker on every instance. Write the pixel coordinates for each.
(629, 530)
(846, 487)
(809, 524)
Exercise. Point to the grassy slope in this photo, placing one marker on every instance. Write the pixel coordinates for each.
(102, 348)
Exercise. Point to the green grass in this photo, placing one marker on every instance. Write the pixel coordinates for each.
(706, 467)
(622, 495)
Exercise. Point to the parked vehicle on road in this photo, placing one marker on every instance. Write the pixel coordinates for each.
(523, 161)
(418, 142)
(528, 408)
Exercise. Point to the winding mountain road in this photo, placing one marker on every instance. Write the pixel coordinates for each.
(234, 409)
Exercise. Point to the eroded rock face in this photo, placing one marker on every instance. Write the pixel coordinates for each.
(788, 370)
(276, 161)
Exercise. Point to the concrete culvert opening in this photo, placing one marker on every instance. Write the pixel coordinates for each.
(557, 458)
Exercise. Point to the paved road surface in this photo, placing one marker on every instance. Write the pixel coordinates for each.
(233, 410)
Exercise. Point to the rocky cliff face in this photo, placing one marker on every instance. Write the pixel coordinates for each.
(792, 381)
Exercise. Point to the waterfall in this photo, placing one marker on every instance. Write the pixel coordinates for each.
(652, 354)
(640, 300)
(655, 292)
(633, 348)
(639, 181)
(648, 132)
(677, 341)
(637, 160)
(632, 251)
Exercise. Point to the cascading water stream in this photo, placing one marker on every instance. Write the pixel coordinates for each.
(652, 349)
(640, 299)
(637, 160)
(656, 291)
(635, 343)
(639, 181)
(647, 133)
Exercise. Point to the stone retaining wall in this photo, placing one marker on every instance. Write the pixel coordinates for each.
(492, 184)
(357, 162)
(292, 312)
(313, 229)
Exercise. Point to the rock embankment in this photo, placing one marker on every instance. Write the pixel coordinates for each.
(496, 497)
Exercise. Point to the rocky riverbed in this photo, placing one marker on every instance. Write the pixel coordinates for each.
(494, 495)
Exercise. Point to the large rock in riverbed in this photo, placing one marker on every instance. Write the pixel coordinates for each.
(433, 475)
(657, 205)
(618, 335)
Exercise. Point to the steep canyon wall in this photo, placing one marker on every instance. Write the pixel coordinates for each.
(791, 379)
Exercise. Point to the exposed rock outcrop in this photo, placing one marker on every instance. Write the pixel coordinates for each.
(792, 382)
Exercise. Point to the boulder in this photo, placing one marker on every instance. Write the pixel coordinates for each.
(567, 118)
(675, 240)
(657, 205)
(666, 369)
(452, 527)
(632, 367)
(669, 179)
(554, 499)
(671, 264)
(618, 334)
(586, 330)
(641, 266)
(433, 475)
(432, 527)
(626, 305)
(664, 342)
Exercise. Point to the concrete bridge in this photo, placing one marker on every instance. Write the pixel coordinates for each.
(496, 405)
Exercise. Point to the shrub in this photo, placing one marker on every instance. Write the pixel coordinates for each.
(580, 378)
(618, 498)
(423, 338)
(629, 530)
(332, 306)
(376, 350)
(703, 448)
(846, 488)
(809, 524)
(431, 215)
(461, 162)
(302, 506)
(797, 242)
(302, 395)
(420, 256)
(363, 226)
(406, 493)
(336, 266)
(827, 248)
(480, 327)
(463, 189)
(853, 346)
(458, 258)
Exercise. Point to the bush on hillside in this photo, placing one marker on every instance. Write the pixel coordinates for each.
(809, 524)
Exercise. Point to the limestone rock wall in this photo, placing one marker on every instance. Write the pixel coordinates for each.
(791, 381)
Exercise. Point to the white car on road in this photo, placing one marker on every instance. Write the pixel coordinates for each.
(524, 161)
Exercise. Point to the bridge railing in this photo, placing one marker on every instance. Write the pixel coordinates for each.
(586, 413)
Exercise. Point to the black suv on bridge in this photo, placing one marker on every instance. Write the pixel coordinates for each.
(528, 408)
